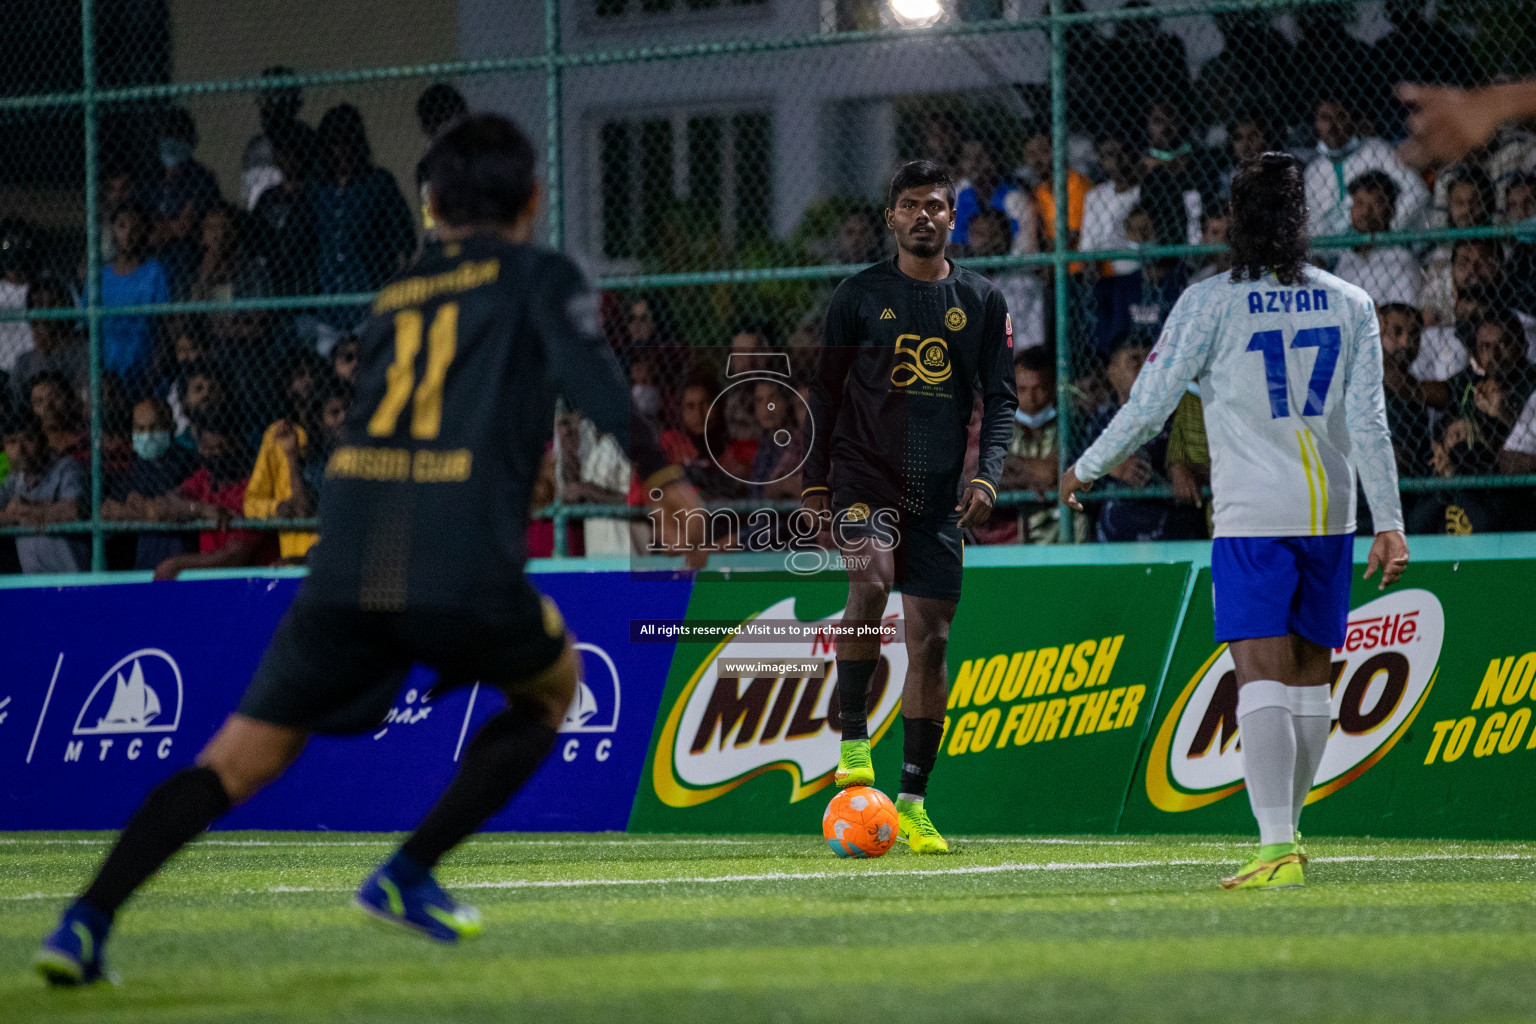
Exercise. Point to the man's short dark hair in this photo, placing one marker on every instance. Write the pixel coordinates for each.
(999, 217)
(438, 104)
(480, 170)
(1376, 181)
(24, 422)
(1411, 312)
(919, 174)
(1479, 243)
(1269, 220)
(1036, 359)
(1524, 179)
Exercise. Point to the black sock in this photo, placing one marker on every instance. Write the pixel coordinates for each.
(499, 760)
(853, 696)
(172, 816)
(919, 750)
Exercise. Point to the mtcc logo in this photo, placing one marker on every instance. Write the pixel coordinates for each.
(141, 694)
(595, 708)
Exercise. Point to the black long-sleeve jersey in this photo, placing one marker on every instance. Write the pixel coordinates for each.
(426, 497)
(900, 366)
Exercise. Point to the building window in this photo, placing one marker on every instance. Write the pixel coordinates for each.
(684, 178)
(623, 8)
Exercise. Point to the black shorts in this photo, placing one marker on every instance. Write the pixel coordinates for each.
(930, 552)
(336, 668)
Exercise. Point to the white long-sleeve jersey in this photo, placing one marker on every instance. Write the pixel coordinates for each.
(1290, 378)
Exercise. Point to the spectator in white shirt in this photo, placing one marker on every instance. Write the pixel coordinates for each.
(1387, 273)
(1343, 156)
(1021, 287)
(1106, 205)
(16, 249)
(1519, 454)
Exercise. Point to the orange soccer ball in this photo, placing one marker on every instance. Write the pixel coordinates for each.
(860, 822)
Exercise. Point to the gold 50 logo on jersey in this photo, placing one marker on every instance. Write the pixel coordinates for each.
(925, 360)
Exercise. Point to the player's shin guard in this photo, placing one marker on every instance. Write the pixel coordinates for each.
(1311, 717)
(172, 816)
(1269, 757)
(853, 695)
(919, 751)
(503, 754)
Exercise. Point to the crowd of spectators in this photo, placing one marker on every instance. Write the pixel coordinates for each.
(210, 418)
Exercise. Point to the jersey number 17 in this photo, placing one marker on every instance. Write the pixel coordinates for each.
(1272, 343)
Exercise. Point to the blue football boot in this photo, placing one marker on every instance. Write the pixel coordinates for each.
(71, 955)
(420, 905)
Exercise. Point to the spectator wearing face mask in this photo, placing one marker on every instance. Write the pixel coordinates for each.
(178, 198)
(1033, 459)
(215, 491)
(1344, 154)
(42, 487)
(157, 470)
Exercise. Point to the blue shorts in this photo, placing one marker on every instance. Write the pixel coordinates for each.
(1271, 586)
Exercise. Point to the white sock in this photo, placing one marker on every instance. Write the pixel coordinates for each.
(1312, 717)
(1269, 756)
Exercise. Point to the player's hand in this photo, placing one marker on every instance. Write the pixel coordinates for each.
(1135, 471)
(1186, 486)
(819, 504)
(1389, 552)
(975, 507)
(1070, 485)
(682, 529)
(1444, 123)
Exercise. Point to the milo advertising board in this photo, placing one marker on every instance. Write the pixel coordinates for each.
(1053, 676)
(1432, 707)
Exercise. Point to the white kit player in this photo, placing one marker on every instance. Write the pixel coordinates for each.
(1288, 360)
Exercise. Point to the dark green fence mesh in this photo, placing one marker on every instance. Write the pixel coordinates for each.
(206, 197)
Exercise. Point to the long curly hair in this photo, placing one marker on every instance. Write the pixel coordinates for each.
(1269, 220)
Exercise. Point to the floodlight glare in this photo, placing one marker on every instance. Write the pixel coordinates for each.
(915, 13)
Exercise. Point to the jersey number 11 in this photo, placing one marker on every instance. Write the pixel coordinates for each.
(1272, 343)
(427, 409)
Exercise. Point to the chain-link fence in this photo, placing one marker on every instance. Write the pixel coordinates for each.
(198, 202)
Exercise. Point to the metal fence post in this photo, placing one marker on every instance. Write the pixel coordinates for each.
(92, 270)
(554, 124)
(1059, 154)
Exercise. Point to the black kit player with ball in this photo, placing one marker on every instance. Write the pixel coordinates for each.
(910, 343)
(424, 518)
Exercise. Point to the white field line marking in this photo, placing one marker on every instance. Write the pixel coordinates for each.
(463, 729)
(478, 843)
(44, 713)
(797, 876)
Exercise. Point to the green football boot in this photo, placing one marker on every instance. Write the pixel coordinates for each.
(1277, 867)
(914, 828)
(854, 768)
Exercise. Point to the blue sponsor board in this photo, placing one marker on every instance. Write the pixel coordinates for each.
(109, 689)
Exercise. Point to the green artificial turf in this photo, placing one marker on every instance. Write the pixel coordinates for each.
(260, 927)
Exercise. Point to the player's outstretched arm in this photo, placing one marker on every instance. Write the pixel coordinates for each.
(1445, 123)
(1179, 357)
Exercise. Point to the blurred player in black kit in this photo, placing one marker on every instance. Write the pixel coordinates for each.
(424, 516)
(909, 344)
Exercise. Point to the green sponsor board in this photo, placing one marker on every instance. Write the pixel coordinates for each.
(1053, 677)
(1433, 700)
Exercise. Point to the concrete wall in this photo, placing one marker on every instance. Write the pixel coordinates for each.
(215, 39)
